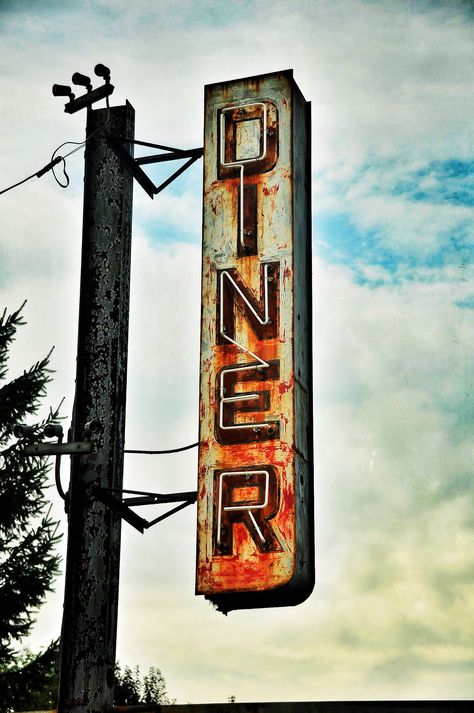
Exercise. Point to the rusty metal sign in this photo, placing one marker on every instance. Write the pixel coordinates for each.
(255, 483)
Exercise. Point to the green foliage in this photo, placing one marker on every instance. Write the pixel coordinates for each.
(28, 533)
(154, 687)
(32, 682)
(127, 686)
(131, 690)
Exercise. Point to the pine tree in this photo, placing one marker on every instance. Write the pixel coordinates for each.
(28, 533)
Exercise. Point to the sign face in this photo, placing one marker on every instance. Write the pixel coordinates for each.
(255, 483)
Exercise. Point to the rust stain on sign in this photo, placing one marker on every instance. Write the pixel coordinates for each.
(255, 537)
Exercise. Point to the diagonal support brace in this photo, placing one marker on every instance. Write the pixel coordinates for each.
(122, 506)
(134, 164)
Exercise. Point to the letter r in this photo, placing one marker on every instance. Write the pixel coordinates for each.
(250, 497)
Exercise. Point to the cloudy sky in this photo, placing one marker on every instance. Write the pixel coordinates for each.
(391, 86)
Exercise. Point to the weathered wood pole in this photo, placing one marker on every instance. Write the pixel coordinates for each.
(89, 626)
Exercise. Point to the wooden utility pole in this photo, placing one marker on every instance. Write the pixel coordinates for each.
(89, 626)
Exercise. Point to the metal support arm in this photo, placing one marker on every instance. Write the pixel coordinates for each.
(122, 506)
(134, 164)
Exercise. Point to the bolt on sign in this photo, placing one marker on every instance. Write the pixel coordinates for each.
(255, 483)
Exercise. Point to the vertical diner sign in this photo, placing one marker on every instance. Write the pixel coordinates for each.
(255, 483)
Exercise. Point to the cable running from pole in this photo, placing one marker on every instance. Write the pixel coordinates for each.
(5, 190)
(170, 450)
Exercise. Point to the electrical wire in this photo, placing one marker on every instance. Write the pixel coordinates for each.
(78, 145)
(171, 450)
(18, 184)
(57, 477)
(62, 185)
(57, 467)
(57, 159)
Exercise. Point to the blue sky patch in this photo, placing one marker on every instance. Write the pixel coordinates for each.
(339, 237)
(338, 240)
(449, 181)
(466, 303)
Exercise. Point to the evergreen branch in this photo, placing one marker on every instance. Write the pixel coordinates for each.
(21, 396)
(28, 534)
(8, 327)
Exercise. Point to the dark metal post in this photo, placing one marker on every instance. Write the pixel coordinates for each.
(92, 568)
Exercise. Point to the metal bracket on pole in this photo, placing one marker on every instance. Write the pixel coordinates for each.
(122, 506)
(134, 164)
(58, 449)
(72, 448)
(86, 100)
